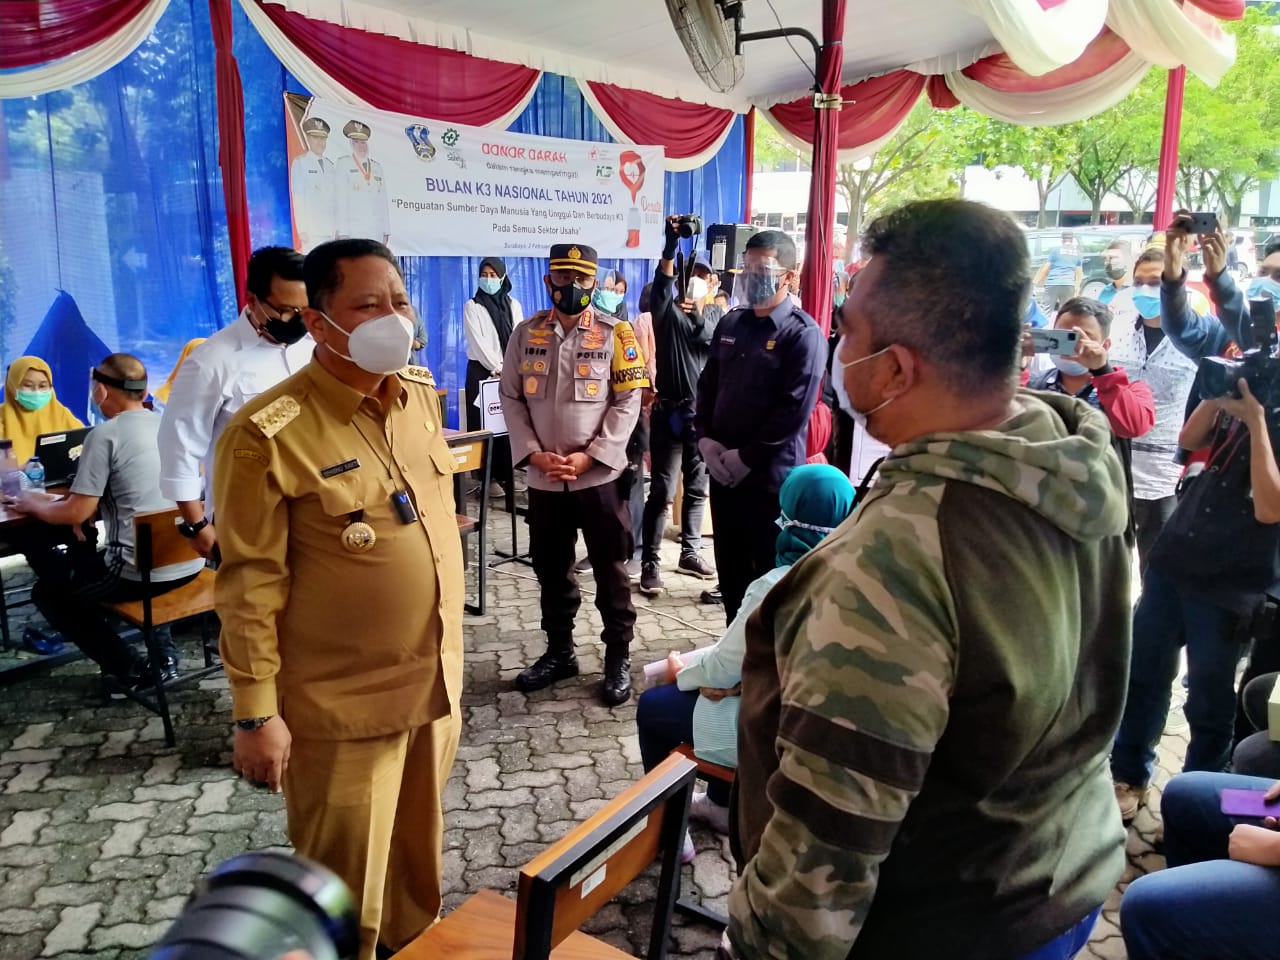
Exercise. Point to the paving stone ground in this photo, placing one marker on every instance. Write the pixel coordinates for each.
(104, 829)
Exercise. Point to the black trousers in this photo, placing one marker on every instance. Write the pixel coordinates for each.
(745, 539)
(603, 515)
(70, 585)
(1149, 518)
(669, 453)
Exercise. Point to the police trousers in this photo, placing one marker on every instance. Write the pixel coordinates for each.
(603, 515)
(745, 540)
(369, 810)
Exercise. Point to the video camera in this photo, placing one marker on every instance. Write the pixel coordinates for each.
(1258, 366)
(260, 906)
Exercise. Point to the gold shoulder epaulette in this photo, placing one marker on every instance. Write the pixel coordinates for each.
(276, 415)
(418, 375)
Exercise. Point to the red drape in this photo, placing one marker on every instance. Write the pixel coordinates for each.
(231, 146)
(1167, 173)
(749, 162)
(405, 77)
(1222, 9)
(872, 109)
(815, 278)
(684, 129)
(1000, 73)
(37, 31)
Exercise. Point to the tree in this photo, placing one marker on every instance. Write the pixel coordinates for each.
(916, 163)
(774, 153)
(1111, 147)
(1044, 154)
(1230, 134)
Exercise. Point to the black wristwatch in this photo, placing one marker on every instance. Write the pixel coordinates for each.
(189, 530)
(252, 723)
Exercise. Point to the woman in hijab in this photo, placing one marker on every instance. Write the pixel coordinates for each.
(611, 295)
(161, 395)
(487, 320)
(30, 407)
(698, 701)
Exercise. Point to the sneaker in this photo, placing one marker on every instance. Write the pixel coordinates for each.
(695, 566)
(633, 569)
(44, 643)
(496, 491)
(1130, 799)
(703, 808)
(650, 579)
(139, 678)
(583, 565)
(688, 853)
(711, 596)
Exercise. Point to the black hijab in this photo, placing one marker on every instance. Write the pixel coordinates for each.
(498, 304)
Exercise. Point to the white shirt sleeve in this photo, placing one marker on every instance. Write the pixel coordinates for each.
(482, 338)
(186, 427)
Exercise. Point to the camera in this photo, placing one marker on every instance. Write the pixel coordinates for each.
(260, 906)
(689, 225)
(1258, 366)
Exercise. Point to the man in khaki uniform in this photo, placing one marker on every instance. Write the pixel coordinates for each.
(571, 389)
(340, 594)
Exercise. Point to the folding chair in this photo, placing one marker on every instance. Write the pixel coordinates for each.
(474, 451)
(571, 880)
(157, 543)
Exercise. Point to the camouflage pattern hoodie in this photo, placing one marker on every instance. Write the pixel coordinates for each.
(928, 701)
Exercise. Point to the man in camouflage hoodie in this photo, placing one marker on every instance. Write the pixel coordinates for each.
(928, 698)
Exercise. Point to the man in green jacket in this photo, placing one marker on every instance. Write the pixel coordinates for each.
(928, 698)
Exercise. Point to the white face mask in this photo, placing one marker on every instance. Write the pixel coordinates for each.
(1072, 368)
(698, 289)
(838, 368)
(380, 345)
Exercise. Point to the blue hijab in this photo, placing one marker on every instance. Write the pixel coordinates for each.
(815, 499)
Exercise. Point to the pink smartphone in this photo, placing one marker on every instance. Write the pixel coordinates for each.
(1248, 803)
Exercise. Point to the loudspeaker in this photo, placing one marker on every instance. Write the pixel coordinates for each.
(725, 244)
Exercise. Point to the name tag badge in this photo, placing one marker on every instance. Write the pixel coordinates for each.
(340, 468)
(727, 340)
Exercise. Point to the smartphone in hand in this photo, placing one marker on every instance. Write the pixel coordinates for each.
(1059, 343)
(1248, 803)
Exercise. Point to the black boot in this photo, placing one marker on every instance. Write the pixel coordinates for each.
(558, 663)
(616, 686)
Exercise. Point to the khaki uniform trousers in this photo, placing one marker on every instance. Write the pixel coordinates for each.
(369, 810)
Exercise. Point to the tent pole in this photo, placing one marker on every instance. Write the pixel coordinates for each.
(1167, 176)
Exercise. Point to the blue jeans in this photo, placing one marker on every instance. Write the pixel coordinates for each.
(1203, 904)
(664, 720)
(1165, 620)
(1067, 945)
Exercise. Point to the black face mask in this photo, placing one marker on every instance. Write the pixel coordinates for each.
(285, 331)
(570, 299)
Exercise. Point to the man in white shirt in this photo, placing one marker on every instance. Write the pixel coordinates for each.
(265, 344)
(311, 187)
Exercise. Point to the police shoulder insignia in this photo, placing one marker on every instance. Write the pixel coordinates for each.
(276, 415)
(418, 375)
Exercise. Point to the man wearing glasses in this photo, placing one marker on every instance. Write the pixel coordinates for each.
(267, 343)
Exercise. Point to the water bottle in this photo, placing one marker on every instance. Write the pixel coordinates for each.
(35, 473)
(10, 473)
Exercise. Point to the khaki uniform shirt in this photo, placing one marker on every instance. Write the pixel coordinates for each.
(572, 392)
(345, 645)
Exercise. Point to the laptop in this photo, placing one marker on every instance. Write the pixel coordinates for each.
(60, 454)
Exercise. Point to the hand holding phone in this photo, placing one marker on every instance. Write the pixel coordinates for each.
(1200, 223)
(1249, 803)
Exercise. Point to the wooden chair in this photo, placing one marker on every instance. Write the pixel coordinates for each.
(564, 886)
(706, 771)
(473, 451)
(157, 543)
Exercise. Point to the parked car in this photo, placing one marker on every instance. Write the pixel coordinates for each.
(1246, 254)
(1092, 242)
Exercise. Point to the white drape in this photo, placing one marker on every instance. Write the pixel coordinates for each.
(87, 63)
(1171, 35)
(1040, 40)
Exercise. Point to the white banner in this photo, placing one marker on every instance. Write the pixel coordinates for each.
(429, 188)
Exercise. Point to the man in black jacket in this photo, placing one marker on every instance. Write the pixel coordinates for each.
(682, 334)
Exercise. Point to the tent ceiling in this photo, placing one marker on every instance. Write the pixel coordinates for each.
(632, 43)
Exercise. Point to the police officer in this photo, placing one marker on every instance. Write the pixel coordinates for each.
(755, 394)
(571, 390)
(363, 205)
(340, 594)
(311, 187)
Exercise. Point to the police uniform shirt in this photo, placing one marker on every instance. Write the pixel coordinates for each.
(572, 391)
(344, 642)
(219, 377)
(312, 188)
(363, 206)
(758, 387)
